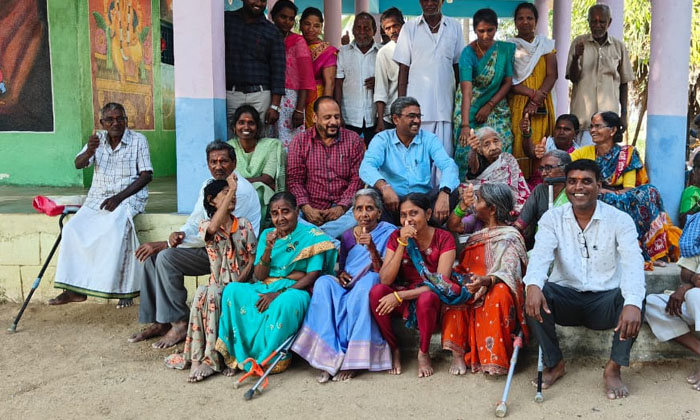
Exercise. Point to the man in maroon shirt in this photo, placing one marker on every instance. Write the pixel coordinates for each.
(323, 167)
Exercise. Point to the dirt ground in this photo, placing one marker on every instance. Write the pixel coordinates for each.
(74, 362)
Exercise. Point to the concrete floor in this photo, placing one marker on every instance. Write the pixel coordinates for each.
(162, 196)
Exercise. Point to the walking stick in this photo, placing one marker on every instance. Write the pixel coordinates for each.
(502, 408)
(66, 211)
(540, 367)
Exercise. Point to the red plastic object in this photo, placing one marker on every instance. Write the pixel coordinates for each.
(45, 205)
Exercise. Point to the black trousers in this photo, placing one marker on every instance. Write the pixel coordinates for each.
(394, 217)
(366, 132)
(569, 307)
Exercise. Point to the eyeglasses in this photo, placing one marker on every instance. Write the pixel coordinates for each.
(412, 116)
(548, 168)
(584, 245)
(599, 126)
(112, 120)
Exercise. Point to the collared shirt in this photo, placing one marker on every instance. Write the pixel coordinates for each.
(386, 78)
(354, 67)
(551, 145)
(247, 205)
(603, 69)
(408, 169)
(116, 169)
(324, 176)
(610, 242)
(254, 53)
(431, 57)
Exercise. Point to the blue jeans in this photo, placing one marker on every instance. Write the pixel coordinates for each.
(336, 227)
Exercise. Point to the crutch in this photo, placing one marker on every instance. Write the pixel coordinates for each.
(257, 369)
(66, 211)
(502, 408)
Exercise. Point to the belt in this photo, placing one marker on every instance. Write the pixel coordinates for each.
(249, 88)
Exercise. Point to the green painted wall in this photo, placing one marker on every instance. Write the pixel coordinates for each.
(47, 158)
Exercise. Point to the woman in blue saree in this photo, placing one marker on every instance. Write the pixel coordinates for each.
(485, 74)
(339, 335)
(257, 317)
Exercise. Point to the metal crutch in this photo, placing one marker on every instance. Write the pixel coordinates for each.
(502, 408)
(66, 211)
(261, 383)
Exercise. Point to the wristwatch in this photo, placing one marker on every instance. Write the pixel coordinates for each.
(446, 190)
(275, 108)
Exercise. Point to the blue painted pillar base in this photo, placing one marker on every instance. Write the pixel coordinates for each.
(197, 122)
(665, 159)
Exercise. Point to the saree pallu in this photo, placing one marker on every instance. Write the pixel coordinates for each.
(244, 331)
(299, 75)
(483, 330)
(339, 331)
(323, 55)
(505, 169)
(487, 77)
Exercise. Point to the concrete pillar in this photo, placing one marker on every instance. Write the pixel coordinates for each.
(562, 41)
(617, 12)
(332, 11)
(200, 91)
(543, 13)
(270, 5)
(361, 6)
(668, 99)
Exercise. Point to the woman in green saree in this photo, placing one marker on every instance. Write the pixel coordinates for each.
(259, 160)
(257, 317)
(485, 73)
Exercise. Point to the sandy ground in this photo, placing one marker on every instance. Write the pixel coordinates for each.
(74, 362)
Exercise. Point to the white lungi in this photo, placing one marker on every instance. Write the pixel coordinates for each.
(667, 327)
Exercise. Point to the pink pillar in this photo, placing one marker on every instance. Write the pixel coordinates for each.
(270, 5)
(617, 12)
(562, 41)
(543, 21)
(332, 10)
(361, 6)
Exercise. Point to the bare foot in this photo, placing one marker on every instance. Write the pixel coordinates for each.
(694, 378)
(614, 388)
(660, 263)
(124, 303)
(199, 372)
(458, 367)
(67, 297)
(550, 375)
(176, 334)
(229, 372)
(425, 368)
(323, 377)
(153, 330)
(395, 362)
(344, 375)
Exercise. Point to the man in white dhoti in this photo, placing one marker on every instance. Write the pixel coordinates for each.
(98, 243)
(671, 316)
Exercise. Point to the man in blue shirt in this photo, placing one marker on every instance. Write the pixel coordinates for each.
(400, 161)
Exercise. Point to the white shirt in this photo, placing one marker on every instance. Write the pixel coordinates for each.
(117, 169)
(354, 67)
(615, 259)
(386, 78)
(247, 205)
(577, 143)
(431, 79)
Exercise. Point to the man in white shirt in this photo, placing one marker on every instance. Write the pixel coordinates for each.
(427, 52)
(386, 70)
(597, 280)
(165, 263)
(354, 83)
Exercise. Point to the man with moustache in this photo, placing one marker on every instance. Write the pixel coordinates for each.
(427, 52)
(165, 263)
(354, 83)
(597, 279)
(400, 161)
(386, 70)
(323, 170)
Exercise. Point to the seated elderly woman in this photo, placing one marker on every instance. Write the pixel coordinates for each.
(403, 291)
(230, 244)
(256, 318)
(551, 166)
(479, 331)
(339, 335)
(488, 163)
(260, 160)
(625, 186)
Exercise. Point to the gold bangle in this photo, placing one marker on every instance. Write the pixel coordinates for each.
(398, 298)
(401, 242)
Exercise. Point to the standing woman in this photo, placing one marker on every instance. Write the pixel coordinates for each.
(324, 56)
(485, 74)
(534, 74)
(299, 85)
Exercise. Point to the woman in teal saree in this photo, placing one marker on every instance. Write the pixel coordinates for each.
(257, 317)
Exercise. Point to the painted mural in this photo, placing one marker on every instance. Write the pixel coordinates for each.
(26, 97)
(121, 54)
(167, 94)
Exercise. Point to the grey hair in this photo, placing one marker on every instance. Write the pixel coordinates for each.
(221, 145)
(112, 106)
(602, 7)
(485, 132)
(564, 158)
(371, 193)
(499, 196)
(401, 103)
